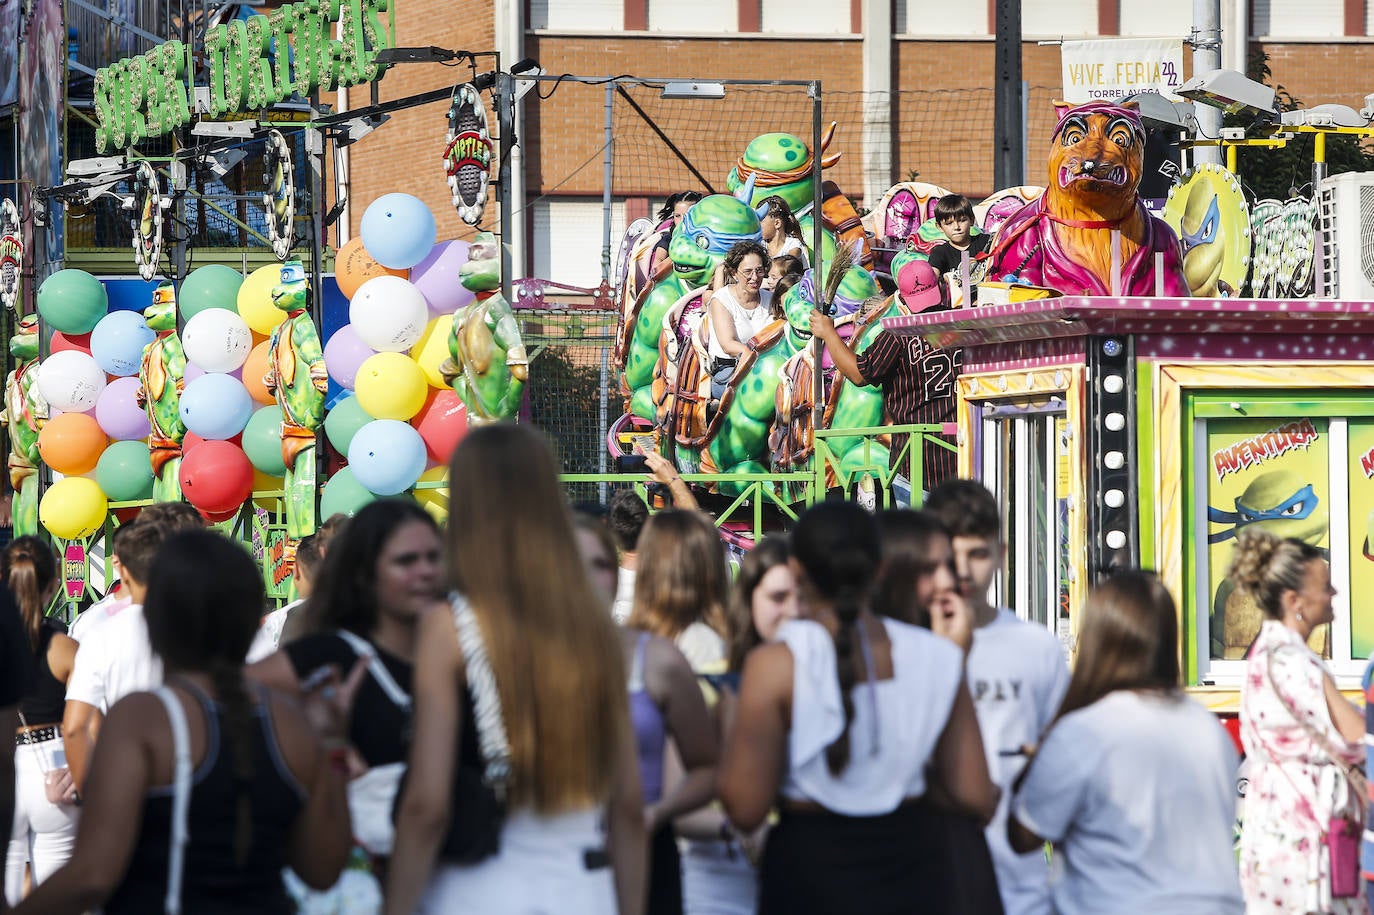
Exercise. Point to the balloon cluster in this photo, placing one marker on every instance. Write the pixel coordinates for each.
(398, 416)
(397, 424)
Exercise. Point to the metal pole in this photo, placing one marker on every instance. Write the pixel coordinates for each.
(1207, 57)
(505, 117)
(607, 174)
(817, 261)
(1007, 127)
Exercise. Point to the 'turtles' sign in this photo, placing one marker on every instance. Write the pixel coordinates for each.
(150, 95)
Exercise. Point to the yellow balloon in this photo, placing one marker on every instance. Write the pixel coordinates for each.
(432, 349)
(255, 299)
(434, 501)
(391, 386)
(73, 508)
(264, 483)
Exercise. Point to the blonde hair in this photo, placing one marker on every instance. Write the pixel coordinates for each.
(1263, 566)
(680, 576)
(553, 648)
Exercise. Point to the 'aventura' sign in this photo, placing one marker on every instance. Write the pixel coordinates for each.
(150, 95)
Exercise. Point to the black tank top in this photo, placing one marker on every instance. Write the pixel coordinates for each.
(45, 700)
(213, 883)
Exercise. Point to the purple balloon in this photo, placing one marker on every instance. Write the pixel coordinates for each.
(343, 355)
(118, 411)
(437, 278)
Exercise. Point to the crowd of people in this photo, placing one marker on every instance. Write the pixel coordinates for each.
(540, 709)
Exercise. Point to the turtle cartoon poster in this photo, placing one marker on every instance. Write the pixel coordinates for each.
(1360, 436)
(1271, 474)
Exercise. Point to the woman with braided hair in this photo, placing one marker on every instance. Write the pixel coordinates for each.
(262, 785)
(839, 722)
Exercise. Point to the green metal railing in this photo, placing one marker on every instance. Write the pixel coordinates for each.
(849, 459)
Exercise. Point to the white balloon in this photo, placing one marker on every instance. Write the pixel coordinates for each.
(388, 314)
(70, 381)
(217, 340)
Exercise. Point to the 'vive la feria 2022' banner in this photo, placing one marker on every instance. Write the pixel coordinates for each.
(152, 94)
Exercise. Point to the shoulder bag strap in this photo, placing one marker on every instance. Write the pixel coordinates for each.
(486, 700)
(378, 670)
(181, 797)
(1352, 773)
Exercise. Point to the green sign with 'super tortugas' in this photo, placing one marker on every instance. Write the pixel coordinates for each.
(151, 94)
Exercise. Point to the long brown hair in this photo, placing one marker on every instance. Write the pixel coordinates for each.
(680, 576)
(907, 538)
(29, 568)
(553, 648)
(744, 637)
(1129, 640)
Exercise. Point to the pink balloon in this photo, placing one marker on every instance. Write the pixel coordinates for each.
(437, 278)
(344, 354)
(118, 411)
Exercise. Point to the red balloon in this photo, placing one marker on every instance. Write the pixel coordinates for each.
(61, 341)
(191, 440)
(216, 477)
(442, 422)
(125, 515)
(217, 517)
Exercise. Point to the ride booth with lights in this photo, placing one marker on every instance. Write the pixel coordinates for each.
(1146, 432)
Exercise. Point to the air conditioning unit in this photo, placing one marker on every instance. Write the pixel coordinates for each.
(1346, 256)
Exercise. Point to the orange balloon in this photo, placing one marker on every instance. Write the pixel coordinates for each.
(353, 266)
(71, 443)
(254, 367)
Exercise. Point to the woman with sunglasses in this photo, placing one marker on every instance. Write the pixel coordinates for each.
(738, 311)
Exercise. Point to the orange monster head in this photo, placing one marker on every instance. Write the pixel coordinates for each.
(1097, 155)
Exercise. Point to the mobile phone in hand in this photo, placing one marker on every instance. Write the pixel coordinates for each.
(631, 463)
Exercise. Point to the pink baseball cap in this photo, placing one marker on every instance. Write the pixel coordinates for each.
(919, 285)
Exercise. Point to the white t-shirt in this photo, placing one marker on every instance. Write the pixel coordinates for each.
(703, 648)
(896, 723)
(268, 637)
(1140, 792)
(1017, 676)
(793, 247)
(748, 321)
(624, 595)
(114, 661)
(97, 613)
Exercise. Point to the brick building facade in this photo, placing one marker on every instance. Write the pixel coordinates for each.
(938, 91)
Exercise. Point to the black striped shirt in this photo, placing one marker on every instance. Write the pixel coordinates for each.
(917, 381)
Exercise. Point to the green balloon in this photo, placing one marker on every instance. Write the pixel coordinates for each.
(262, 440)
(344, 421)
(125, 472)
(72, 301)
(211, 286)
(343, 495)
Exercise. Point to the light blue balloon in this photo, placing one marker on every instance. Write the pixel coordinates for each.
(118, 340)
(387, 456)
(398, 230)
(216, 406)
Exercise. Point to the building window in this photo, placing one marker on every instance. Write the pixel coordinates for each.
(697, 16)
(578, 15)
(937, 17)
(568, 236)
(1059, 18)
(1299, 18)
(1156, 18)
(809, 17)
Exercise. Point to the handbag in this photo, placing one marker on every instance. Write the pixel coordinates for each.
(372, 795)
(1341, 834)
(478, 806)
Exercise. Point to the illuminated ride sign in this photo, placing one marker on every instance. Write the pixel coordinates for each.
(150, 95)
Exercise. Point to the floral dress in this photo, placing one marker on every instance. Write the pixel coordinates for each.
(1295, 786)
